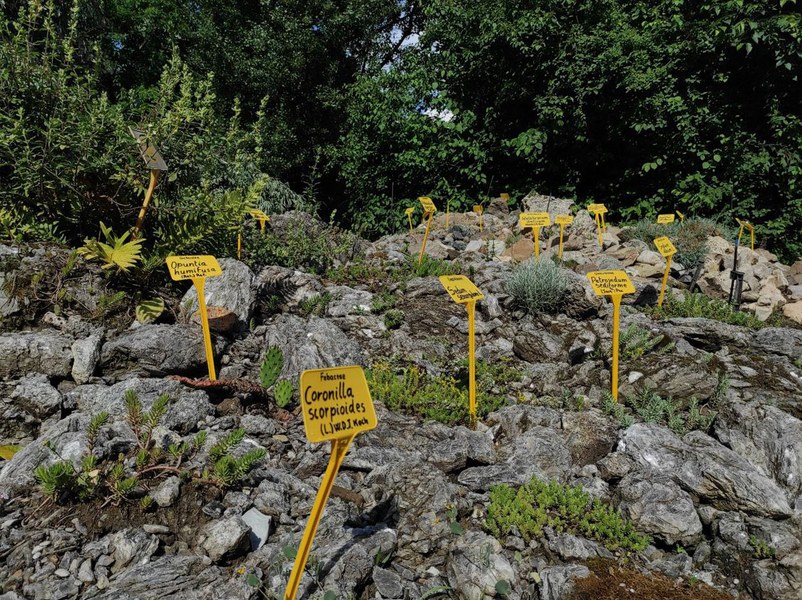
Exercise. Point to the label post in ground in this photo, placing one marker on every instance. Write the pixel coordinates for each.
(336, 405)
(598, 211)
(681, 216)
(750, 227)
(479, 210)
(463, 291)
(667, 249)
(562, 221)
(197, 268)
(155, 164)
(614, 284)
(535, 220)
(259, 216)
(428, 211)
(408, 212)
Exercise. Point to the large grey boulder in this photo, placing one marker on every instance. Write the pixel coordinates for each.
(36, 396)
(779, 340)
(658, 506)
(311, 344)
(768, 437)
(67, 438)
(46, 352)
(702, 466)
(186, 408)
(177, 577)
(156, 349)
(475, 564)
(234, 290)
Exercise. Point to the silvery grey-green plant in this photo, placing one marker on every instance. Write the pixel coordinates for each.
(538, 285)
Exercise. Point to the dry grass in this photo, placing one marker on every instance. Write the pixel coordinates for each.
(611, 581)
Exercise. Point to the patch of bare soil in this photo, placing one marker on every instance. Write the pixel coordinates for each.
(610, 581)
(183, 518)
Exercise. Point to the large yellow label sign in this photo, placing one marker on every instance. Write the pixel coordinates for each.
(564, 219)
(461, 289)
(478, 209)
(427, 204)
(336, 403)
(663, 219)
(609, 283)
(192, 267)
(538, 219)
(664, 246)
(409, 211)
(597, 208)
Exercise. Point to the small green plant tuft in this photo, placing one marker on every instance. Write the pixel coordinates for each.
(761, 548)
(699, 305)
(538, 285)
(571, 509)
(315, 305)
(224, 446)
(393, 318)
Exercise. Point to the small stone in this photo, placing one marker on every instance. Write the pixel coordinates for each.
(154, 529)
(61, 573)
(225, 538)
(260, 527)
(85, 571)
(167, 492)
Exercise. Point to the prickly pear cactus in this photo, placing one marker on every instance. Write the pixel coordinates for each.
(283, 393)
(271, 366)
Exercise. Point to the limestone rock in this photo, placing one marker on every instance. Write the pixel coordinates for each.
(234, 290)
(44, 352)
(475, 565)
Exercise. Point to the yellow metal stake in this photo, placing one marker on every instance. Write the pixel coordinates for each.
(665, 282)
(536, 231)
(471, 308)
(154, 177)
(604, 227)
(616, 318)
(598, 228)
(339, 448)
(425, 237)
(207, 336)
(239, 245)
(448, 204)
(560, 253)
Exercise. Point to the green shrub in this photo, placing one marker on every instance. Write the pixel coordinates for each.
(115, 479)
(679, 416)
(699, 305)
(430, 267)
(315, 305)
(636, 341)
(538, 285)
(443, 399)
(567, 509)
(393, 318)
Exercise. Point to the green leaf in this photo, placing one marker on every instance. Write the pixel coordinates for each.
(456, 528)
(503, 588)
(253, 581)
(8, 452)
(148, 311)
(329, 595)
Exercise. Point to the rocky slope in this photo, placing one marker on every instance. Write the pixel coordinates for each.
(718, 490)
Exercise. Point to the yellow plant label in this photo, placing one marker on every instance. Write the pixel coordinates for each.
(505, 197)
(564, 219)
(409, 211)
(608, 283)
(461, 289)
(478, 209)
(427, 204)
(681, 216)
(662, 219)
(258, 215)
(538, 219)
(597, 208)
(664, 246)
(192, 267)
(336, 403)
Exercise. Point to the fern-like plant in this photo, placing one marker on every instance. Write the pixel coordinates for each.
(115, 252)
